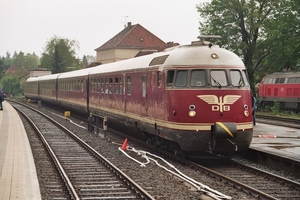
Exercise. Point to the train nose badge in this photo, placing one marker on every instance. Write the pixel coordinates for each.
(220, 104)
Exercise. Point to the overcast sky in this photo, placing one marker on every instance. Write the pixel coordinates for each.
(27, 25)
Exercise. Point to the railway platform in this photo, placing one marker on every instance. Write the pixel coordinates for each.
(18, 178)
(277, 140)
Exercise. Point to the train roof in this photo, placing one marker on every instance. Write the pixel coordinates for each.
(283, 74)
(198, 53)
(185, 55)
(76, 73)
(46, 77)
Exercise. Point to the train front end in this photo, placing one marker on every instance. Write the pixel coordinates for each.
(209, 100)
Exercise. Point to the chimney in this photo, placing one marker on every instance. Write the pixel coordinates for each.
(128, 24)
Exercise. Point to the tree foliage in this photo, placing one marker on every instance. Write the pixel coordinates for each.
(256, 30)
(282, 40)
(59, 55)
(11, 85)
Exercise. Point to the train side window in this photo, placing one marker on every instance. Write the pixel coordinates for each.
(120, 85)
(291, 80)
(277, 80)
(158, 79)
(181, 78)
(198, 78)
(98, 85)
(297, 80)
(110, 85)
(273, 80)
(102, 85)
(236, 78)
(116, 85)
(266, 80)
(144, 85)
(106, 85)
(218, 78)
(170, 77)
(246, 78)
(128, 85)
(281, 80)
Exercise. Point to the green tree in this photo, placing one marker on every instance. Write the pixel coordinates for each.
(62, 51)
(85, 61)
(57, 63)
(1, 68)
(11, 85)
(241, 25)
(282, 43)
(7, 61)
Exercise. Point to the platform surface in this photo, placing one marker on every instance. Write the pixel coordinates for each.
(277, 140)
(18, 178)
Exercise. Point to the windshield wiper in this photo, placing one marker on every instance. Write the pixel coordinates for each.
(216, 82)
(240, 84)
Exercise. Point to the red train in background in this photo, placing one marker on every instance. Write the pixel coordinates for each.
(281, 87)
(189, 99)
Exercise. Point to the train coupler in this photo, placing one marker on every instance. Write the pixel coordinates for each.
(220, 133)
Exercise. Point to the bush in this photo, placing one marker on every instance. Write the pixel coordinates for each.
(275, 108)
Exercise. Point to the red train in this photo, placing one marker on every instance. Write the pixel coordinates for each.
(281, 87)
(190, 99)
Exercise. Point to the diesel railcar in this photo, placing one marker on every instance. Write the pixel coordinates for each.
(281, 87)
(191, 98)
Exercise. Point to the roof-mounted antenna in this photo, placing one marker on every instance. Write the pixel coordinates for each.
(125, 21)
(204, 39)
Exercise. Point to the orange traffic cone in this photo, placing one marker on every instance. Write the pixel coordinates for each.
(124, 144)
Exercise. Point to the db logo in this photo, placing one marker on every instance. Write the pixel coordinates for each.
(219, 104)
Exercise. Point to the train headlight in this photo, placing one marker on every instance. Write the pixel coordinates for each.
(246, 112)
(214, 56)
(192, 113)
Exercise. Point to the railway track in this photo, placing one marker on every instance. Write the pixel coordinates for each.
(259, 183)
(85, 173)
(276, 120)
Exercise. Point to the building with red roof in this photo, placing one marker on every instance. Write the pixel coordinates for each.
(132, 41)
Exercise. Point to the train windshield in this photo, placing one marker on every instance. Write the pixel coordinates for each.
(198, 78)
(207, 78)
(218, 78)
